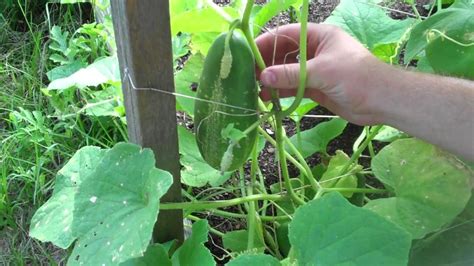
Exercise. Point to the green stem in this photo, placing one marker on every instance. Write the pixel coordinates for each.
(288, 156)
(303, 60)
(245, 26)
(205, 205)
(243, 216)
(282, 160)
(440, 5)
(309, 174)
(357, 190)
(251, 222)
(415, 10)
(361, 148)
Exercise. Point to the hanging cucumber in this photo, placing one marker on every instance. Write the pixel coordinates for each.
(225, 118)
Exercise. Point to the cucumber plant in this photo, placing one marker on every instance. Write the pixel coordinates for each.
(324, 215)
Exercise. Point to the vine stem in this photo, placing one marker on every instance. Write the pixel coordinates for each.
(283, 163)
(361, 148)
(204, 205)
(303, 58)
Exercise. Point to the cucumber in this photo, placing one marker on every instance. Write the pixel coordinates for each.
(228, 78)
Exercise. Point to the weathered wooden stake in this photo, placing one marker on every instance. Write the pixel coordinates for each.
(142, 31)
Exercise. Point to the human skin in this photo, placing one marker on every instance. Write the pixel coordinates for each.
(346, 78)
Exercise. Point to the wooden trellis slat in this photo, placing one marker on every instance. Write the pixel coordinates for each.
(142, 31)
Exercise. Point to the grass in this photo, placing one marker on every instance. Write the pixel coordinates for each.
(34, 144)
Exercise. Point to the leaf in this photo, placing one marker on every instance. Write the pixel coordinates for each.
(203, 20)
(201, 42)
(317, 138)
(196, 172)
(98, 193)
(186, 80)
(178, 6)
(452, 246)
(368, 23)
(53, 221)
(331, 231)
(389, 134)
(305, 106)
(332, 177)
(59, 40)
(193, 252)
(268, 11)
(431, 187)
(180, 45)
(237, 241)
(105, 70)
(386, 53)
(65, 70)
(155, 255)
(444, 55)
(121, 195)
(254, 259)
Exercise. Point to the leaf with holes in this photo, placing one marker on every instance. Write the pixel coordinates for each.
(431, 187)
(369, 23)
(323, 228)
(121, 194)
(52, 222)
(193, 251)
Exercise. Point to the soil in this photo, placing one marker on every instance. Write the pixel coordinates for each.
(319, 11)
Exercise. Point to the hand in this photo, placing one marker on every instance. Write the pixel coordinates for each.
(339, 69)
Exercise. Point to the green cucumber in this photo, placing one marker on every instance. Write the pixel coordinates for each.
(229, 94)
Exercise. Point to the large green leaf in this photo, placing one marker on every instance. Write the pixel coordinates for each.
(443, 54)
(186, 82)
(254, 259)
(317, 138)
(331, 231)
(122, 195)
(452, 246)
(99, 193)
(193, 251)
(196, 172)
(53, 221)
(369, 23)
(431, 187)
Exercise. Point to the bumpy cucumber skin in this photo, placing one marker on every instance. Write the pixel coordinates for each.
(239, 88)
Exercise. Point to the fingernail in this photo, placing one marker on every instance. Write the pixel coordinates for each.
(268, 78)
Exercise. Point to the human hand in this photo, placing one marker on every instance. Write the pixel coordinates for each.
(340, 70)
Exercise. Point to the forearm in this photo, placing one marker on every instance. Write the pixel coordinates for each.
(437, 109)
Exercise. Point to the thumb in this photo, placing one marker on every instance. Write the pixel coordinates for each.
(281, 76)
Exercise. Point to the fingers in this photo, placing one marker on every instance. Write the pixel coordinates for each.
(281, 76)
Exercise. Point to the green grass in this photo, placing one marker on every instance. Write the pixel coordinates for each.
(34, 143)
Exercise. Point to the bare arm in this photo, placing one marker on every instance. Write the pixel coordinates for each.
(344, 77)
(437, 109)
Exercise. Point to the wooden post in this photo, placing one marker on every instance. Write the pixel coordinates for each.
(142, 31)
